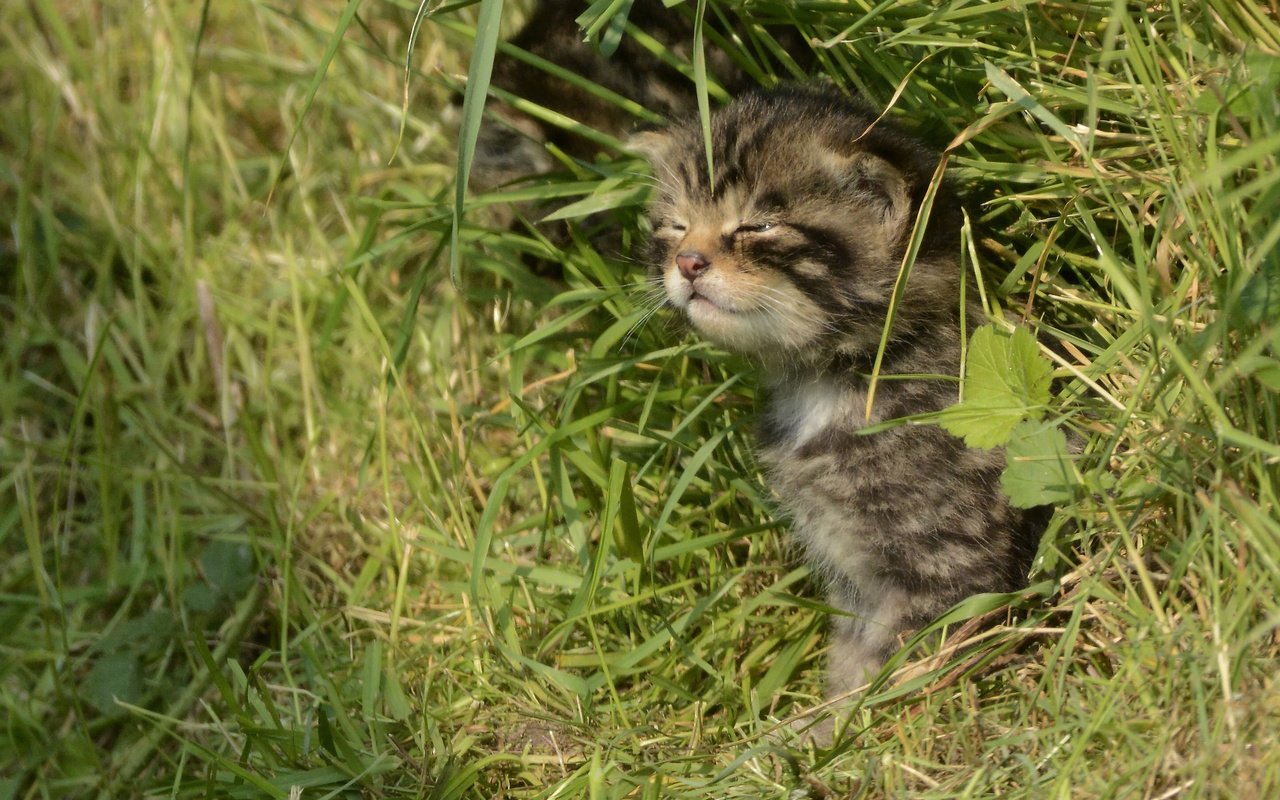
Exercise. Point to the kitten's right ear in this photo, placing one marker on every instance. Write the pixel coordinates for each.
(653, 146)
(881, 181)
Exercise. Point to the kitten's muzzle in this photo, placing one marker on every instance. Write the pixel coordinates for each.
(692, 264)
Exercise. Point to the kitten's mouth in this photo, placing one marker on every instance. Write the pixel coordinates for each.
(707, 300)
(698, 297)
(701, 307)
(715, 311)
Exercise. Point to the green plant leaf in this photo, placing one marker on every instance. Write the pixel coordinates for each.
(229, 567)
(604, 22)
(1005, 83)
(114, 676)
(1007, 382)
(601, 201)
(1038, 472)
(331, 50)
(200, 598)
(1268, 375)
(1259, 299)
(472, 109)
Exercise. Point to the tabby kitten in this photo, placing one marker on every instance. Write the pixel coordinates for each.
(789, 255)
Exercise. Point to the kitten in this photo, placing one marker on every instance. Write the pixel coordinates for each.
(789, 256)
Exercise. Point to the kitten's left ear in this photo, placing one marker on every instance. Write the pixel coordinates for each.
(653, 146)
(881, 183)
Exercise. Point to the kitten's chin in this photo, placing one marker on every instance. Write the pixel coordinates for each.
(748, 332)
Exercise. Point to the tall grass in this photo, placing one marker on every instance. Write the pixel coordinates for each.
(287, 512)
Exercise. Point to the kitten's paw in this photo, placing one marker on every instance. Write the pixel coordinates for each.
(819, 727)
(815, 731)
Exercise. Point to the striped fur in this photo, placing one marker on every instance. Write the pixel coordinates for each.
(789, 253)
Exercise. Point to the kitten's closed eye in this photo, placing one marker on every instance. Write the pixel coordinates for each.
(756, 227)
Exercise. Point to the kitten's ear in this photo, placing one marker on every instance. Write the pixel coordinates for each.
(882, 183)
(653, 146)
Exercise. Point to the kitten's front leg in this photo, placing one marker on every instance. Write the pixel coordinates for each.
(863, 640)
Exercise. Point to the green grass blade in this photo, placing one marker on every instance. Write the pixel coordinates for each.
(317, 78)
(486, 44)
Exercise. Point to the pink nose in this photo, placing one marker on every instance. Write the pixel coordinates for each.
(692, 265)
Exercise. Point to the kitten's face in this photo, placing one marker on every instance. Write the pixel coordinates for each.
(797, 242)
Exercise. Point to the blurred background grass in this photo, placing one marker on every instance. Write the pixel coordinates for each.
(286, 512)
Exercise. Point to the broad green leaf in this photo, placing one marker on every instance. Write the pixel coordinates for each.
(153, 629)
(1038, 471)
(114, 676)
(1007, 381)
(228, 566)
(1259, 300)
(200, 598)
(1269, 375)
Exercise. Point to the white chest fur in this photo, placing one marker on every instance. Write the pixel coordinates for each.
(804, 409)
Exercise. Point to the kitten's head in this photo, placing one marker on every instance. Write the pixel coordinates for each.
(792, 251)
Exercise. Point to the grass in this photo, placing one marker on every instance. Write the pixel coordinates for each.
(286, 512)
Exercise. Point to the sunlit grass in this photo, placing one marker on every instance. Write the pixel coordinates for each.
(284, 509)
